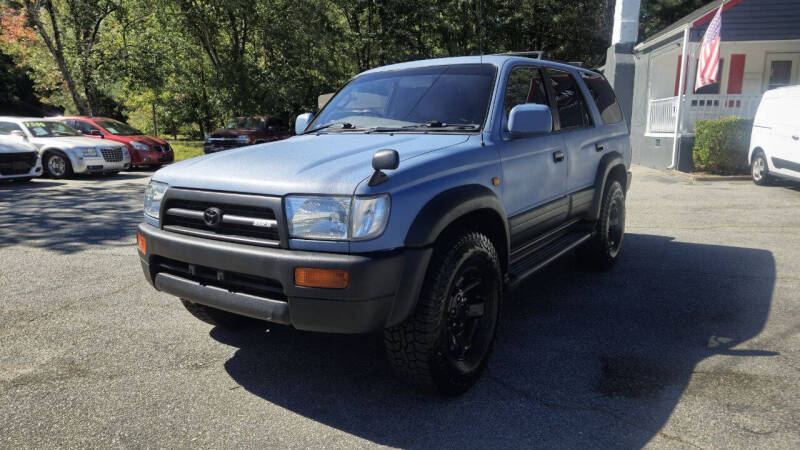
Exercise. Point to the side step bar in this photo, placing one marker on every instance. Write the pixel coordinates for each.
(544, 255)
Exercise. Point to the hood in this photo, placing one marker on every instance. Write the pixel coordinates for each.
(14, 145)
(328, 164)
(149, 140)
(74, 141)
(232, 132)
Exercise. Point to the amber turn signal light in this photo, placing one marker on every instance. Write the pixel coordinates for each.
(321, 278)
(141, 243)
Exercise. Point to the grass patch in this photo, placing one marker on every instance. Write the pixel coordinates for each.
(186, 149)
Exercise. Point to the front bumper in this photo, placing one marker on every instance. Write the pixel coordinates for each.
(151, 158)
(35, 171)
(82, 164)
(382, 291)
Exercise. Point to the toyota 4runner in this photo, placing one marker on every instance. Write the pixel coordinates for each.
(409, 204)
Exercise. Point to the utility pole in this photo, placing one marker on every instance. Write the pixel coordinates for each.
(620, 65)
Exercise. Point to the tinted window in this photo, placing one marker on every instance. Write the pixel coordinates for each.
(8, 127)
(119, 128)
(83, 127)
(525, 85)
(454, 95)
(572, 110)
(603, 97)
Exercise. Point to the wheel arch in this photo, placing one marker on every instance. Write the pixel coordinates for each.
(55, 150)
(472, 207)
(612, 167)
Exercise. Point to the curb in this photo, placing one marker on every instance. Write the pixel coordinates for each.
(709, 177)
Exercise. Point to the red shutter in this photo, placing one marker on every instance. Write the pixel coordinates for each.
(736, 74)
(678, 76)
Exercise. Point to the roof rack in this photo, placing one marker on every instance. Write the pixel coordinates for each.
(536, 54)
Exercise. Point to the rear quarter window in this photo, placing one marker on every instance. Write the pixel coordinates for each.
(603, 97)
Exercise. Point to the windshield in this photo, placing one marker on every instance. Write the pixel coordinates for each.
(248, 123)
(50, 129)
(431, 97)
(119, 128)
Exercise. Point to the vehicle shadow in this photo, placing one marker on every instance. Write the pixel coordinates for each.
(68, 219)
(581, 359)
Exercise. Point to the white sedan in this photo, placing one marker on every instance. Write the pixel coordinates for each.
(18, 160)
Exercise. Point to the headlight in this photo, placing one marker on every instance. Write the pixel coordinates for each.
(153, 194)
(243, 138)
(88, 151)
(140, 146)
(336, 218)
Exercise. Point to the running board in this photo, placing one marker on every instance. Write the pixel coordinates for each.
(543, 256)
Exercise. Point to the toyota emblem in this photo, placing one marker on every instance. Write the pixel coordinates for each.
(212, 217)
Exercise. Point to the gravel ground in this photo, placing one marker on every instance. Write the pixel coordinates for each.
(692, 340)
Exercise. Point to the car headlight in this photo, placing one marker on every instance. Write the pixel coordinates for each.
(153, 194)
(336, 217)
(140, 146)
(243, 138)
(88, 151)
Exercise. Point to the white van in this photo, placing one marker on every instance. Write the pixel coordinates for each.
(775, 143)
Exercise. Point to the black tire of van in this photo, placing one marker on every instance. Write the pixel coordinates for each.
(213, 316)
(602, 251)
(759, 164)
(445, 343)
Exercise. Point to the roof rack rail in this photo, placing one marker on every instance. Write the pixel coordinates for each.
(536, 54)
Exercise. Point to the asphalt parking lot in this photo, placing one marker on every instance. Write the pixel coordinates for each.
(692, 340)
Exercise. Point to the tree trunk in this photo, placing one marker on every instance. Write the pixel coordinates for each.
(155, 123)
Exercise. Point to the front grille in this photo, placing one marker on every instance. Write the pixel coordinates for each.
(17, 163)
(242, 224)
(112, 154)
(230, 281)
(225, 143)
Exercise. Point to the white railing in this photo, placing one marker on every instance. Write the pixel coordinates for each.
(662, 112)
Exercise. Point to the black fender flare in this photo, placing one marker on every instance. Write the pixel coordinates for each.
(608, 163)
(448, 206)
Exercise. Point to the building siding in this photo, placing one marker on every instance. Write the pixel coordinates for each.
(758, 20)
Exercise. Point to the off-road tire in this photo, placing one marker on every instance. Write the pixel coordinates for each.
(213, 316)
(759, 170)
(67, 171)
(602, 250)
(420, 349)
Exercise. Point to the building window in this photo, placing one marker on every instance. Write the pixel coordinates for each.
(713, 89)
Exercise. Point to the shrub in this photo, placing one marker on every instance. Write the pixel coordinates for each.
(721, 145)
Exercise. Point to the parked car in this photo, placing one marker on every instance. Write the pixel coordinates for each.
(145, 150)
(408, 204)
(775, 142)
(64, 151)
(241, 131)
(19, 160)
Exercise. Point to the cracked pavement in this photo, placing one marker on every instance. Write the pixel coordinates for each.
(691, 341)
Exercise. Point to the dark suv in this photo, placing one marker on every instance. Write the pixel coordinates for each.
(241, 131)
(408, 205)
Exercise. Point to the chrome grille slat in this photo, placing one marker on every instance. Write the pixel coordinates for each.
(111, 154)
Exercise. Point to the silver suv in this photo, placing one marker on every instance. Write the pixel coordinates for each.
(64, 150)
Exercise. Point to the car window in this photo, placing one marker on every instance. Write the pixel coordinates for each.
(603, 97)
(50, 129)
(572, 110)
(119, 128)
(8, 127)
(525, 85)
(83, 127)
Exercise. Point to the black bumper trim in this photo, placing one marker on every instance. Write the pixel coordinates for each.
(244, 304)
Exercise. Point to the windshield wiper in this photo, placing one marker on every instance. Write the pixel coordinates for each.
(432, 125)
(345, 126)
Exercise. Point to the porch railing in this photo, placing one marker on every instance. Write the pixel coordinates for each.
(663, 112)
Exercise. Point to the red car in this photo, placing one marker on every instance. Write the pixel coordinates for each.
(146, 151)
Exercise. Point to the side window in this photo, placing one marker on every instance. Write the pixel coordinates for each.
(83, 127)
(525, 85)
(8, 127)
(572, 109)
(604, 97)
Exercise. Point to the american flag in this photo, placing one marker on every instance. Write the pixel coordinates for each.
(708, 65)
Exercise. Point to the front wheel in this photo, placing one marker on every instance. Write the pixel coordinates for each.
(760, 170)
(58, 166)
(445, 343)
(601, 252)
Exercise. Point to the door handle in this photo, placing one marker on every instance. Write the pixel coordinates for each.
(599, 147)
(558, 156)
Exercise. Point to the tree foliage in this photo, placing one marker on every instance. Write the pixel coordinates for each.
(185, 65)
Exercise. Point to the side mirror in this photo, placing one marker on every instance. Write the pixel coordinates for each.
(383, 160)
(529, 119)
(19, 134)
(301, 122)
(95, 132)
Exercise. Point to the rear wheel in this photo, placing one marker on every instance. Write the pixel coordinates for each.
(444, 345)
(213, 316)
(602, 251)
(760, 170)
(58, 166)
